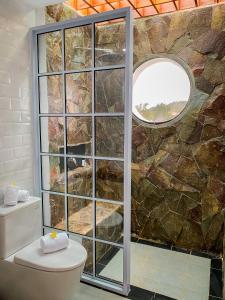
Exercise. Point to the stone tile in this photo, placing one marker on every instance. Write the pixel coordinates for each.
(161, 297)
(201, 254)
(180, 250)
(216, 284)
(139, 294)
(216, 263)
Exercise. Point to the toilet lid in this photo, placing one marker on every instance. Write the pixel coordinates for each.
(67, 259)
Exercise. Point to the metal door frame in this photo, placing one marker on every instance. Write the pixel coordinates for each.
(126, 14)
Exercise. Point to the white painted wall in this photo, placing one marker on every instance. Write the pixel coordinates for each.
(16, 139)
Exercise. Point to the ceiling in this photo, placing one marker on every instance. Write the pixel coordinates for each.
(39, 3)
(141, 8)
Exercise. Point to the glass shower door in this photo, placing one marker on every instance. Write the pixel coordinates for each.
(82, 86)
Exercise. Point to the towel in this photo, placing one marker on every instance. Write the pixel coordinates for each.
(11, 196)
(52, 243)
(23, 196)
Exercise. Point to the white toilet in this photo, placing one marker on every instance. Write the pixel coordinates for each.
(25, 272)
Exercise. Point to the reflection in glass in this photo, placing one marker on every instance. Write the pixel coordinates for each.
(51, 94)
(78, 92)
(79, 176)
(80, 216)
(88, 245)
(109, 90)
(109, 179)
(109, 222)
(106, 258)
(110, 43)
(53, 173)
(54, 210)
(50, 52)
(78, 47)
(79, 135)
(110, 136)
(158, 96)
(52, 134)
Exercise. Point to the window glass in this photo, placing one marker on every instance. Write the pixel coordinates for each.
(161, 90)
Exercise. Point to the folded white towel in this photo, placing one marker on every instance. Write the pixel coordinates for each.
(23, 196)
(11, 196)
(49, 244)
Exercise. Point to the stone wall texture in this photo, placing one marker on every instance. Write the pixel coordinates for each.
(178, 172)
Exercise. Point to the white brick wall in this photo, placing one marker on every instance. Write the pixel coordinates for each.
(16, 139)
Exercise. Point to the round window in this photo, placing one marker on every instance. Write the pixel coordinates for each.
(161, 90)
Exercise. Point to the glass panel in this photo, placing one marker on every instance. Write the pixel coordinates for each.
(109, 43)
(109, 136)
(53, 173)
(88, 245)
(79, 135)
(50, 52)
(78, 47)
(79, 92)
(79, 176)
(51, 94)
(109, 179)
(82, 103)
(109, 222)
(109, 90)
(80, 216)
(157, 96)
(52, 134)
(54, 211)
(109, 262)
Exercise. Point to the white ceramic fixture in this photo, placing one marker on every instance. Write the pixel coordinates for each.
(25, 272)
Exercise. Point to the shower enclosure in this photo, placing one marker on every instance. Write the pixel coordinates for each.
(83, 136)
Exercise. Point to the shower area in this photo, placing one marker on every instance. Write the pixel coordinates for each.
(165, 237)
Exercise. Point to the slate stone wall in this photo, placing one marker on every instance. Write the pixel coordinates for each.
(178, 172)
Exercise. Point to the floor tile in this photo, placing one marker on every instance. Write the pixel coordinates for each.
(170, 273)
(216, 286)
(160, 297)
(88, 292)
(216, 263)
(202, 254)
(140, 294)
(180, 249)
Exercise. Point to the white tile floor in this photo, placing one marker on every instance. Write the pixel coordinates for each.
(170, 273)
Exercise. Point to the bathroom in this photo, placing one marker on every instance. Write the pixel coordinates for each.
(143, 191)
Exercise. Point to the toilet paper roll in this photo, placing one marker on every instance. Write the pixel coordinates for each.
(49, 244)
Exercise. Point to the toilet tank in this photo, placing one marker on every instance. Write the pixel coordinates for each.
(20, 225)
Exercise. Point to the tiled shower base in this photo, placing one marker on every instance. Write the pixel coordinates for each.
(174, 274)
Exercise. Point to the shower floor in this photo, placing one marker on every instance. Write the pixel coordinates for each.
(174, 274)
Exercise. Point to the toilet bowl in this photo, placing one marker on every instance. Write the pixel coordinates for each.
(25, 272)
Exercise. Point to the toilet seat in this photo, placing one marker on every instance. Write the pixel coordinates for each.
(64, 260)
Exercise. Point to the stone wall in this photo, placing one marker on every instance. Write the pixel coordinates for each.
(178, 178)
(178, 172)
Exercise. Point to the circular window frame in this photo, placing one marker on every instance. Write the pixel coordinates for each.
(187, 69)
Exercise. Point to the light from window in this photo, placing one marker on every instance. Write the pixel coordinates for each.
(161, 90)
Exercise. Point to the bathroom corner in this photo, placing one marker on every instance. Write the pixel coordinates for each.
(113, 115)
